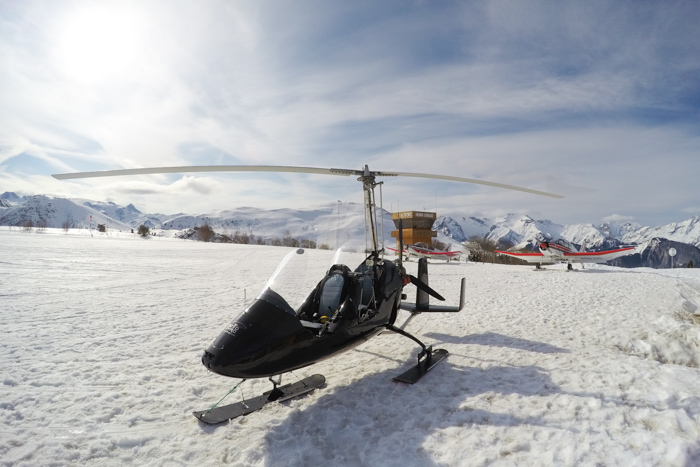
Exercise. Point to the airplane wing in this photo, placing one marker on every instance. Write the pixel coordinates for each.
(529, 257)
(443, 254)
(585, 257)
(426, 253)
(599, 256)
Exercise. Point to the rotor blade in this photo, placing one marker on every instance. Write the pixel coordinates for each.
(470, 180)
(285, 168)
(206, 168)
(425, 288)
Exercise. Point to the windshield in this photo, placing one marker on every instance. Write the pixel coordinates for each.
(301, 270)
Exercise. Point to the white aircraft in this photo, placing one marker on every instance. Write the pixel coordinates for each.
(560, 251)
(425, 250)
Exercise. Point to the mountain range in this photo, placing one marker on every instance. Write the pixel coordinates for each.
(342, 223)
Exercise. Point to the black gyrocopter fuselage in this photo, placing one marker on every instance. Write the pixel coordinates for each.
(345, 309)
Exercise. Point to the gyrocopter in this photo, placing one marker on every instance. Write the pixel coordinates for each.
(347, 307)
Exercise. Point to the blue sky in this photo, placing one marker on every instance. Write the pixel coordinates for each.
(598, 101)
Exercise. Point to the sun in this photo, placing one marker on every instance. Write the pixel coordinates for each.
(99, 43)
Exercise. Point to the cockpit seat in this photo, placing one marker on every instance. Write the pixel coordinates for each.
(331, 293)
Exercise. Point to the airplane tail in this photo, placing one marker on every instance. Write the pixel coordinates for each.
(449, 247)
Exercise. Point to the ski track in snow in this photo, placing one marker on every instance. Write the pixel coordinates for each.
(101, 339)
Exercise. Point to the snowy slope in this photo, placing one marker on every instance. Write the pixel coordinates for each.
(461, 229)
(687, 231)
(48, 211)
(126, 214)
(12, 197)
(330, 224)
(517, 229)
(101, 339)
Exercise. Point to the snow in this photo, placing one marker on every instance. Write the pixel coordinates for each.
(101, 338)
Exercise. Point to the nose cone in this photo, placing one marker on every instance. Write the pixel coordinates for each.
(261, 342)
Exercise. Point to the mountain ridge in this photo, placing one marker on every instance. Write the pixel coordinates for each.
(339, 223)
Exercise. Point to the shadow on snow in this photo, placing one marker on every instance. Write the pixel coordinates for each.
(497, 340)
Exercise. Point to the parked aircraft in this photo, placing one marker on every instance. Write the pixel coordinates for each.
(560, 250)
(425, 250)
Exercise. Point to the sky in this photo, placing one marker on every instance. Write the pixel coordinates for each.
(597, 101)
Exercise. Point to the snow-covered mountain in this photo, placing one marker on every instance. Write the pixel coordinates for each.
(340, 223)
(12, 198)
(126, 214)
(47, 211)
(519, 230)
(330, 224)
(516, 230)
(687, 231)
(656, 255)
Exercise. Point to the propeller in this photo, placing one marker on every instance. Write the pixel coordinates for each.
(425, 288)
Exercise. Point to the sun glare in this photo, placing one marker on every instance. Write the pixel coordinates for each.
(99, 44)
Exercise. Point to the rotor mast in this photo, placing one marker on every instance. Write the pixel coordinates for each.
(368, 183)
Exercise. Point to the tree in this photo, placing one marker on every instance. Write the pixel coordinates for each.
(483, 250)
(143, 230)
(480, 249)
(308, 244)
(205, 233)
(288, 240)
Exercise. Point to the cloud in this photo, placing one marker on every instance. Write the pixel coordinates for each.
(617, 218)
(596, 100)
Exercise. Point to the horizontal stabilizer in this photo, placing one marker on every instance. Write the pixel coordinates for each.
(413, 308)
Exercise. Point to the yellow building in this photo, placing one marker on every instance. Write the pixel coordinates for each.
(417, 227)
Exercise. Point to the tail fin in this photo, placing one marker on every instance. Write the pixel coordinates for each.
(422, 297)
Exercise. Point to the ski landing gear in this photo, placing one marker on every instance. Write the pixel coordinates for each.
(427, 359)
(431, 358)
(280, 394)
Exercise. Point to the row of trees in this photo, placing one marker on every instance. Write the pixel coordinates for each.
(41, 225)
(482, 250)
(205, 233)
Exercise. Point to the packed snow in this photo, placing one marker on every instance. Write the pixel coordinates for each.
(101, 338)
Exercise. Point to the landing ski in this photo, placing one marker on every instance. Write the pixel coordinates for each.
(414, 374)
(280, 394)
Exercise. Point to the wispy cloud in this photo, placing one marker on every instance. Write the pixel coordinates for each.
(596, 100)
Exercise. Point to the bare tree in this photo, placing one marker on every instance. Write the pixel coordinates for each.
(205, 233)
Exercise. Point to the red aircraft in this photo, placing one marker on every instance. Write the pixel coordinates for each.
(562, 251)
(425, 250)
